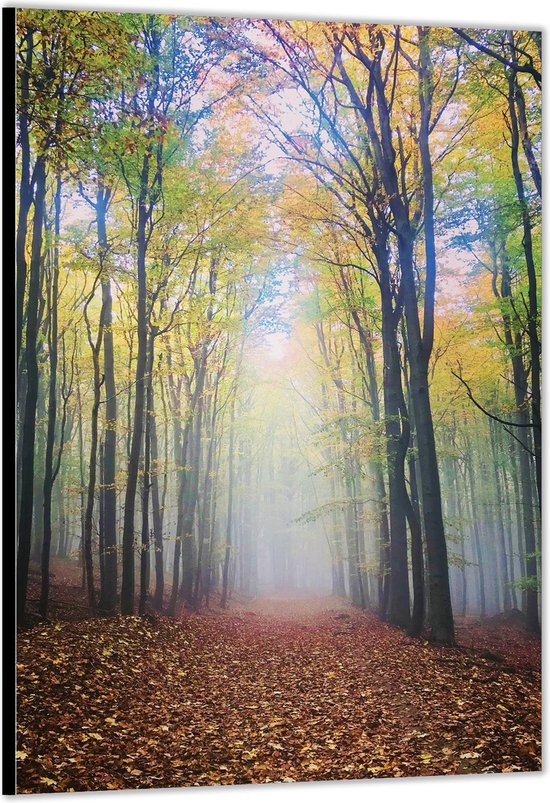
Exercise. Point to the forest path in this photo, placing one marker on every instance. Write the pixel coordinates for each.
(277, 690)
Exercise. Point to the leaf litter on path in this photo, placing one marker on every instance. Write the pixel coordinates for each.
(279, 691)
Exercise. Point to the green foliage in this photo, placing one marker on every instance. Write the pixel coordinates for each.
(530, 583)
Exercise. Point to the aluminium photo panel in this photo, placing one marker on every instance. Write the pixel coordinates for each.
(278, 417)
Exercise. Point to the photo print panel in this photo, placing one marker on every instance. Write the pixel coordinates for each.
(278, 354)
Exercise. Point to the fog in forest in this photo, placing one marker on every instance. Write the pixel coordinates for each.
(268, 344)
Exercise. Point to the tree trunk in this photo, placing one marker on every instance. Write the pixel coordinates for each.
(412, 508)
(158, 512)
(128, 534)
(380, 133)
(501, 540)
(81, 477)
(513, 343)
(533, 315)
(181, 449)
(372, 388)
(417, 552)
(477, 536)
(526, 139)
(38, 485)
(49, 477)
(150, 189)
(204, 527)
(459, 508)
(29, 420)
(145, 558)
(229, 531)
(213, 521)
(101, 523)
(108, 602)
(25, 190)
(92, 474)
(507, 516)
(396, 447)
(192, 486)
(339, 581)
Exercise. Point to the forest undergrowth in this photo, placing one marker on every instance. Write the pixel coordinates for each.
(270, 690)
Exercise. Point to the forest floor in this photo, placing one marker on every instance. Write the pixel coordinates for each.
(272, 690)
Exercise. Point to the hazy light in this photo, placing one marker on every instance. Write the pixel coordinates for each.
(275, 346)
